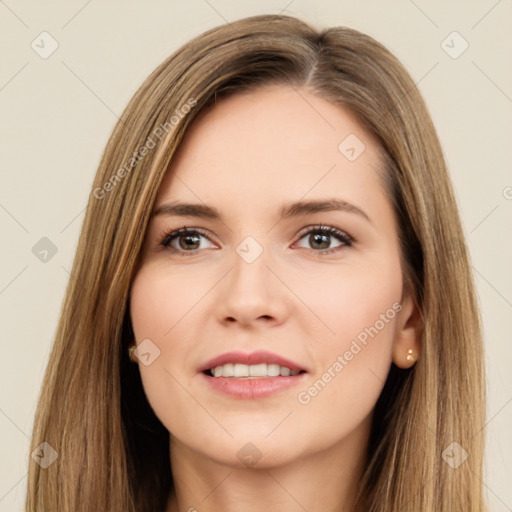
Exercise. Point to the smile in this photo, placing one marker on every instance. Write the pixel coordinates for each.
(246, 376)
(254, 371)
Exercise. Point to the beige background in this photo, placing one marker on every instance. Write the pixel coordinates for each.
(57, 113)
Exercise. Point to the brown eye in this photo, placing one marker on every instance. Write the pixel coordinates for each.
(320, 239)
(188, 241)
(184, 240)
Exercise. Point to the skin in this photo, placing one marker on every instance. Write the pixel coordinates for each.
(247, 156)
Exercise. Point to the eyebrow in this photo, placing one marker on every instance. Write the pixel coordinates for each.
(296, 209)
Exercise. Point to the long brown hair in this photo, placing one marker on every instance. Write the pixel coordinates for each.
(113, 452)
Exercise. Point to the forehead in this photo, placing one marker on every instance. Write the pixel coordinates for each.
(273, 144)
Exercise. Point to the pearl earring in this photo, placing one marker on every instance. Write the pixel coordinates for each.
(410, 357)
(131, 355)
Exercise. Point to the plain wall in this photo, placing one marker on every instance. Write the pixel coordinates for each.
(57, 114)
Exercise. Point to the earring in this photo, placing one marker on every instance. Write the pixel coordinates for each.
(410, 357)
(131, 349)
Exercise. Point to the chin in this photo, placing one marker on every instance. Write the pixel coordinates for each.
(254, 455)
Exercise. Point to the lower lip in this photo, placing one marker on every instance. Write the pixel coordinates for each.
(252, 388)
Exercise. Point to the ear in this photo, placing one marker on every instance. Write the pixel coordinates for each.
(407, 346)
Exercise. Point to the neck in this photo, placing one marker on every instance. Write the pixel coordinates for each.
(323, 480)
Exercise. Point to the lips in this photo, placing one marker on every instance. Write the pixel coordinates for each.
(254, 358)
(251, 387)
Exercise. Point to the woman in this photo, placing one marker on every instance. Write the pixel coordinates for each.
(271, 305)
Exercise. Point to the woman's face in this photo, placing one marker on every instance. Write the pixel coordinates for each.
(250, 289)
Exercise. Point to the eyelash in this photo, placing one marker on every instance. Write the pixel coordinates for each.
(168, 237)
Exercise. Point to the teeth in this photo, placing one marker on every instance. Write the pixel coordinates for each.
(241, 370)
(228, 370)
(286, 371)
(251, 371)
(258, 370)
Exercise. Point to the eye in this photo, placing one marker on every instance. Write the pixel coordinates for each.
(184, 240)
(320, 239)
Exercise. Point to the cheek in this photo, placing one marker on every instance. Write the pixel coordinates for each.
(159, 303)
(359, 307)
(348, 301)
(159, 300)
(352, 369)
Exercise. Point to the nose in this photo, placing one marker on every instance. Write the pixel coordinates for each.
(251, 294)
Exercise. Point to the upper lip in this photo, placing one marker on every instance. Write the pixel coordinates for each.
(258, 357)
